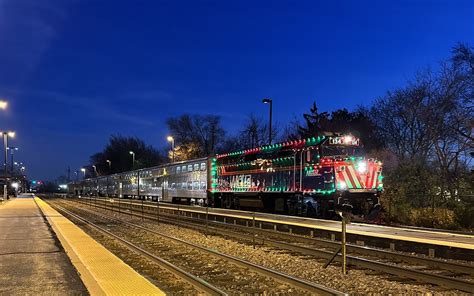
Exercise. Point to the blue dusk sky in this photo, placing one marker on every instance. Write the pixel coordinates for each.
(77, 71)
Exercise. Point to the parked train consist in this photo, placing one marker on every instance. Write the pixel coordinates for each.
(306, 177)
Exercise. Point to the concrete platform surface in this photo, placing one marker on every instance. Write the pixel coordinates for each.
(32, 262)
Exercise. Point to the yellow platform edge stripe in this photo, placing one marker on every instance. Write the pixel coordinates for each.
(102, 272)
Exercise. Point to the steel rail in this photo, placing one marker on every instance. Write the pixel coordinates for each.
(278, 276)
(363, 250)
(197, 282)
(431, 278)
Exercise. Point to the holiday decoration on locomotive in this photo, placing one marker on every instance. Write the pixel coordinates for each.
(307, 177)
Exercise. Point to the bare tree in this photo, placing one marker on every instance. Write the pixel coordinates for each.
(203, 131)
(254, 133)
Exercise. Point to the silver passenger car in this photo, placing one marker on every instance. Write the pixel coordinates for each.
(180, 182)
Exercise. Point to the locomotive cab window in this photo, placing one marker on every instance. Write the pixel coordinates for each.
(196, 167)
(203, 166)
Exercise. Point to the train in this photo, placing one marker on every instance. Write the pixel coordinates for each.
(310, 177)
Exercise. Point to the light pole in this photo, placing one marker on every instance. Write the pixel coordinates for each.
(83, 170)
(171, 140)
(5, 146)
(133, 158)
(269, 101)
(110, 165)
(77, 175)
(3, 104)
(95, 171)
(12, 150)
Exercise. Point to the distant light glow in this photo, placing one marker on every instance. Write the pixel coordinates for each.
(15, 185)
(170, 139)
(3, 104)
(11, 134)
(63, 186)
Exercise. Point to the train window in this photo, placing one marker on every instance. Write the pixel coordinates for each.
(203, 166)
(196, 167)
(195, 185)
(190, 185)
(183, 169)
(178, 170)
(190, 168)
(184, 185)
(173, 185)
(203, 185)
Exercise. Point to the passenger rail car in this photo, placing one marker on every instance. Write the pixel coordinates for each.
(308, 177)
(180, 182)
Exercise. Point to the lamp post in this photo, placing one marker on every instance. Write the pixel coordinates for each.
(12, 150)
(95, 171)
(133, 158)
(5, 146)
(83, 170)
(171, 140)
(77, 175)
(110, 165)
(270, 102)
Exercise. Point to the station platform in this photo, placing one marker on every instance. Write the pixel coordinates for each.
(31, 260)
(42, 252)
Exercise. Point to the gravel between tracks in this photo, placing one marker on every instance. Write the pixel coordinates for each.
(357, 282)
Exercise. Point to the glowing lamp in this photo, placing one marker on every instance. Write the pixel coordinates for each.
(347, 139)
(341, 185)
(362, 167)
(3, 105)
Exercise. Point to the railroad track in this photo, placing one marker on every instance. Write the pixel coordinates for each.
(302, 285)
(407, 272)
(198, 283)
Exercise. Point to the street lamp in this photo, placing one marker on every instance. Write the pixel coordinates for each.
(171, 140)
(12, 150)
(5, 147)
(3, 104)
(269, 101)
(110, 164)
(95, 170)
(83, 170)
(133, 158)
(77, 175)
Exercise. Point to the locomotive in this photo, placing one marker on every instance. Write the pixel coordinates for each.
(308, 177)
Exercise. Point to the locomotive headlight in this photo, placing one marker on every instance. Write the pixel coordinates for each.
(362, 167)
(341, 185)
(348, 140)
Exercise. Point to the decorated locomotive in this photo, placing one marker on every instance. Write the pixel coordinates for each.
(308, 177)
